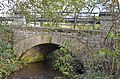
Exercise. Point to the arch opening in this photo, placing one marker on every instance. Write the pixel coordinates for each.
(38, 52)
(44, 51)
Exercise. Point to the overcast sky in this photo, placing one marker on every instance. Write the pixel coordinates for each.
(6, 6)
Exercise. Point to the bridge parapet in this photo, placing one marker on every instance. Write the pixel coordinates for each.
(21, 33)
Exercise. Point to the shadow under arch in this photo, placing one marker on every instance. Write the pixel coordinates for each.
(39, 52)
(47, 48)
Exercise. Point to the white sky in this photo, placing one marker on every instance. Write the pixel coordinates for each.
(5, 6)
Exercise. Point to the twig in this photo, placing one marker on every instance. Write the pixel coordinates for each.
(108, 33)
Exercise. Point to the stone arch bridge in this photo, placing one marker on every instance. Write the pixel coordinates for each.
(43, 39)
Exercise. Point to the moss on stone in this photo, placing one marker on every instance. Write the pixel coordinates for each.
(32, 55)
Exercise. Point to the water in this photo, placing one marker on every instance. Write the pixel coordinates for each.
(38, 70)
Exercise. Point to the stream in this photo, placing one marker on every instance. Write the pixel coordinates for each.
(38, 70)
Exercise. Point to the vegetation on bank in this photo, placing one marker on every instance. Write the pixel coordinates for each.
(65, 61)
(8, 60)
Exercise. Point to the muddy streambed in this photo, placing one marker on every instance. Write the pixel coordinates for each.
(38, 70)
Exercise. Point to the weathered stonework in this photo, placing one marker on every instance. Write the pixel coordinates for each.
(32, 55)
(80, 43)
(28, 43)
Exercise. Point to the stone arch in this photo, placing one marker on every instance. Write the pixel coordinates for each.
(30, 42)
(22, 48)
(38, 52)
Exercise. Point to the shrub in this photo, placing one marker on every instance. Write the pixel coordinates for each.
(8, 60)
